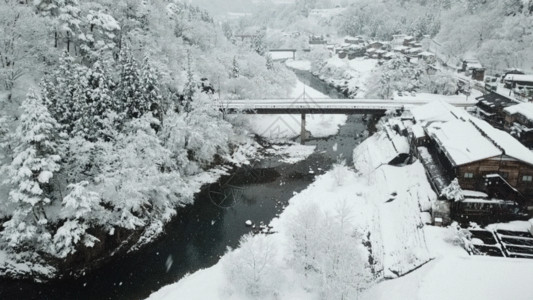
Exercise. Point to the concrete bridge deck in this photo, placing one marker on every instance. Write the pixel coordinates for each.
(306, 106)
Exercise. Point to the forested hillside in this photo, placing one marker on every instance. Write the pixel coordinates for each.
(108, 124)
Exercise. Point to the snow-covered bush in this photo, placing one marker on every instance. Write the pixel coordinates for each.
(453, 191)
(328, 253)
(251, 268)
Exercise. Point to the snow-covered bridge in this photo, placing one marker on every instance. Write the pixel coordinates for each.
(321, 106)
(305, 106)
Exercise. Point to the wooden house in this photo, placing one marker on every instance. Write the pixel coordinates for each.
(354, 40)
(490, 108)
(480, 156)
(514, 80)
(519, 122)
(428, 57)
(375, 45)
(317, 40)
(342, 54)
(478, 74)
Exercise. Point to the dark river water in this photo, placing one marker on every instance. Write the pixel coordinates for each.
(201, 233)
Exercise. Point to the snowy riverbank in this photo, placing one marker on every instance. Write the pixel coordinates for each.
(336, 215)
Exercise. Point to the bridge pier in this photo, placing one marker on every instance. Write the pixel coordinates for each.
(302, 130)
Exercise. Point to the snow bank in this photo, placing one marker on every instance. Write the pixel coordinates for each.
(476, 277)
(456, 275)
(304, 65)
(292, 153)
(401, 193)
(379, 149)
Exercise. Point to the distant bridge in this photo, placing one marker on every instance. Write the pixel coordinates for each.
(282, 54)
(305, 106)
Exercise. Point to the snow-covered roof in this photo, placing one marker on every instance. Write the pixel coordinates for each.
(435, 111)
(426, 53)
(474, 65)
(519, 77)
(418, 131)
(511, 146)
(524, 109)
(466, 139)
(462, 142)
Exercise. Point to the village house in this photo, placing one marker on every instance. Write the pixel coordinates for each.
(354, 40)
(519, 122)
(473, 67)
(515, 80)
(490, 108)
(317, 40)
(375, 45)
(427, 57)
(480, 156)
(521, 84)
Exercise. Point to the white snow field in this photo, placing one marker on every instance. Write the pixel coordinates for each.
(281, 127)
(303, 65)
(456, 275)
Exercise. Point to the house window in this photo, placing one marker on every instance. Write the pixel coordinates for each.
(527, 178)
(469, 175)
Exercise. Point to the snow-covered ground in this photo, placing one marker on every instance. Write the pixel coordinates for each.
(292, 153)
(304, 65)
(282, 127)
(456, 275)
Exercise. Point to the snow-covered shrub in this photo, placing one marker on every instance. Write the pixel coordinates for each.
(340, 170)
(328, 253)
(453, 191)
(460, 237)
(251, 268)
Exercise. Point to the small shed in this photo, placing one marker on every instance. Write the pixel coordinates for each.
(478, 74)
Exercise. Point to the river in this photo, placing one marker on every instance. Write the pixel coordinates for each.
(201, 233)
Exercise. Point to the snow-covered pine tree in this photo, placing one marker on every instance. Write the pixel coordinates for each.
(100, 118)
(235, 70)
(69, 21)
(36, 159)
(151, 96)
(129, 91)
(64, 92)
(100, 33)
(190, 86)
(269, 62)
(82, 209)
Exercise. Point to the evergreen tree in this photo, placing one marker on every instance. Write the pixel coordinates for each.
(64, 92)
(258, 42)
(100, 116)
(82, 207)
(235, 70)
(151, 96)
(190, 86)
(69, 21)
(129, 90)
(269, 62)
(35, 162)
